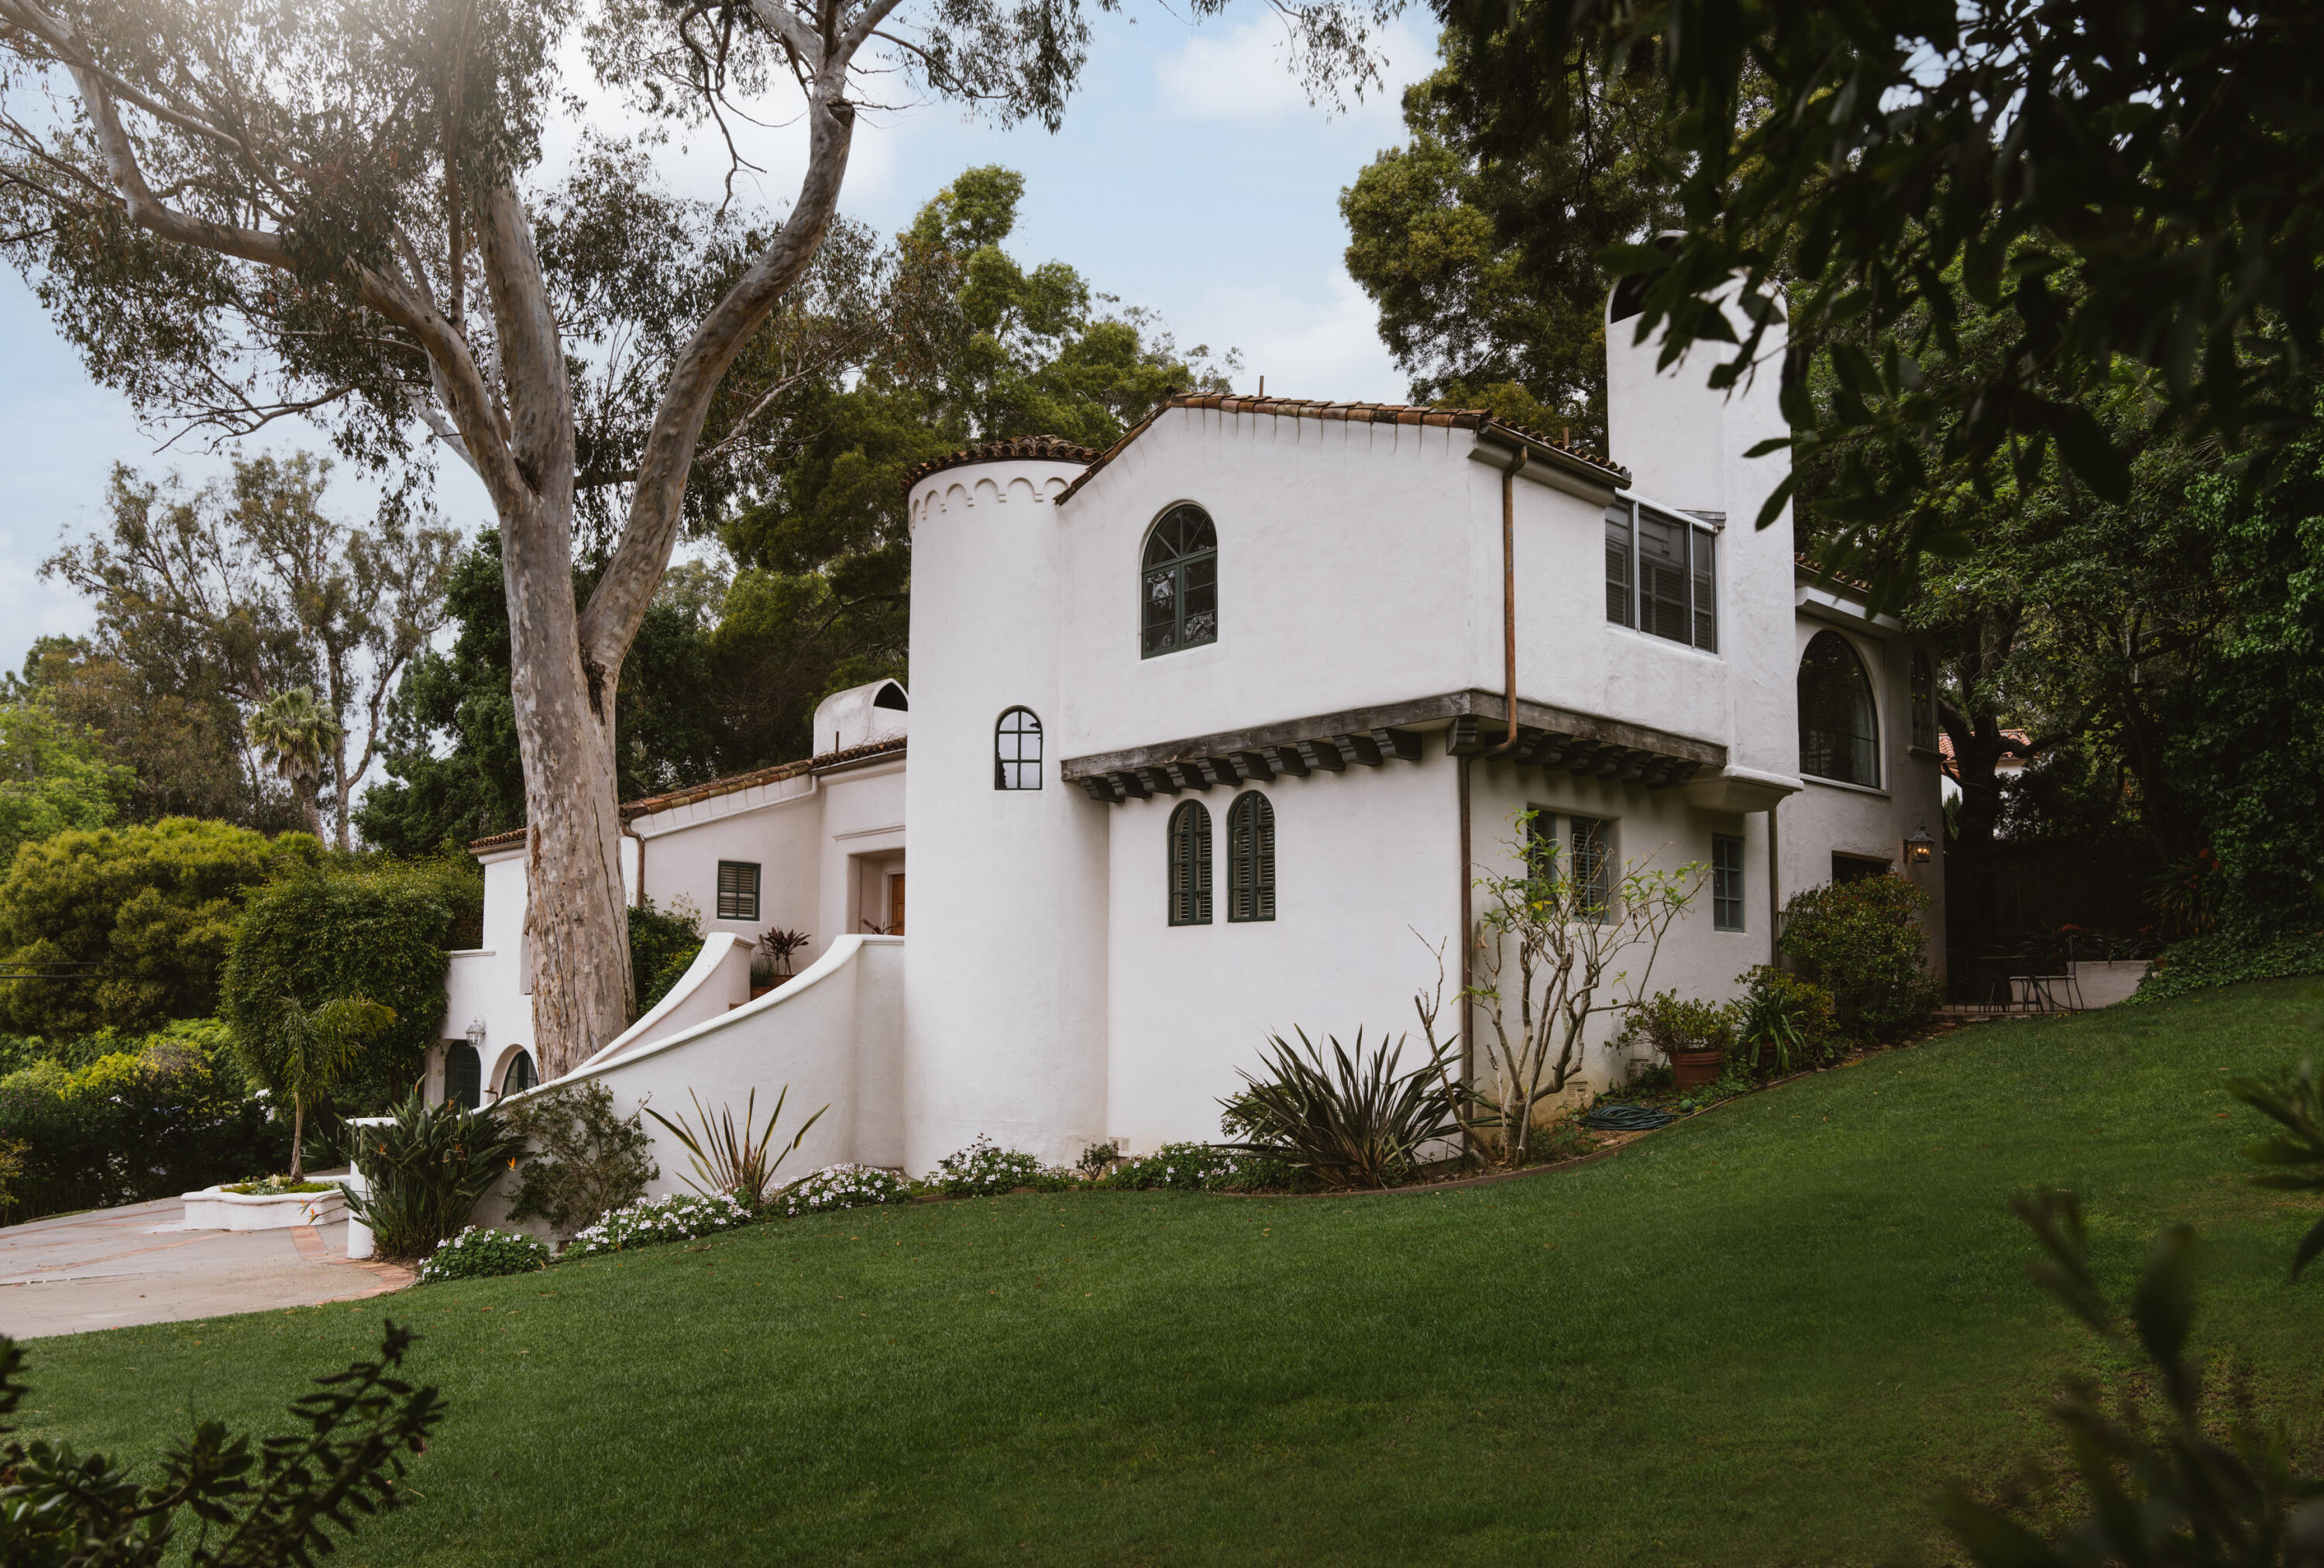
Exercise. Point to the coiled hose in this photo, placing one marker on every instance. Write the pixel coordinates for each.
(1627, 1119)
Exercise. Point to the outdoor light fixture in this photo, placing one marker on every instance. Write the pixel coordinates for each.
(1920, 849)
(476, 1035)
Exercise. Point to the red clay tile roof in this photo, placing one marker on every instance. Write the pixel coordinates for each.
(1806, 562)
(1478, 419)
(1952, 768)
(711, 790)
(1037, 448)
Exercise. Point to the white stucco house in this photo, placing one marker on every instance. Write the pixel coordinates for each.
(1211, 734)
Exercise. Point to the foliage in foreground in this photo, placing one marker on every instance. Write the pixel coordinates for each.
(1356, 1123)
(425, 1171)
(1863, 943)
(680, 1218)
(292, 1500)
(479, 1252)
(583, 1162)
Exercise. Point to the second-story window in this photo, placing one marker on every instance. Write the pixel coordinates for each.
(1016, 750)
(1178, 583)
(1662, 575)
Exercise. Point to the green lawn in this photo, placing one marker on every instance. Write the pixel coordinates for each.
(1770, 1335)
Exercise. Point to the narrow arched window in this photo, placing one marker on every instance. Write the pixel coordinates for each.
(1250, 858)
(464, 1075)
(1190, 865)
(1840, 733)
(1178, 583)
(1016, 750)
(519, 1075)
(1925, 701)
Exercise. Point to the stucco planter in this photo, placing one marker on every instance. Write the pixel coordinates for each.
(215, 1209)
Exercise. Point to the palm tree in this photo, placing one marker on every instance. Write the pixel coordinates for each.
(313, 1051)
(295, 733)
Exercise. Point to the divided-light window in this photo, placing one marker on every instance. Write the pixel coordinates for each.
(1726, 882)
(1662, 574)
(1591, 860)
(1016, 750)
(1178, 583)
(738, 890)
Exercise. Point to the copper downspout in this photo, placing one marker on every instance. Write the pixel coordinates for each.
(1508, 743)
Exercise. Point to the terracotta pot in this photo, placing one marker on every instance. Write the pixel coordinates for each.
(1694, 1069)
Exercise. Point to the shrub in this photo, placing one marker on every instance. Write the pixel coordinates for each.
(644, 1225)
(662, 946)
(1097, 1157)
(378, 932)
(2230, 958)
(479, 1253)
(282, 1501)
(1357, 1124)
(729, 1161)
(845, 1186)
(982, 1168)
(1669, 1024)
(424, 1172)
(151, 1117)
(1200, 1167)
(586, 1161)
(1863, 943)
(1783, 1024)
(152, 905)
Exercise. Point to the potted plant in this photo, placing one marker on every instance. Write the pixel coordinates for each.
(1691, 1035)
(770, 964)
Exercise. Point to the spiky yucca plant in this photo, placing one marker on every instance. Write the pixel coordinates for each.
(1358, 1122)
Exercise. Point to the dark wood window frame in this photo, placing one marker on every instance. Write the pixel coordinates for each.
(1190, 865)
(519, 1075)
(1016, 765)
(738, 890)
(1250, 858)
(1178, 582)
(1590, 853)
(464, 1075)
(1675, 597)
(1839, 712)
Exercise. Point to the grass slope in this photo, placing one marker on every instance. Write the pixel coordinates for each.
(1770, 1335)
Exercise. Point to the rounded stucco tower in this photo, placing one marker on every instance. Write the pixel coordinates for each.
(1005, 956)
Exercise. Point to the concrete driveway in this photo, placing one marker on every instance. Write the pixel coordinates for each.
(111, 1268)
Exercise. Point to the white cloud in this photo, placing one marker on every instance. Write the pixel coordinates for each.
(1320, 344)
(1243, 76)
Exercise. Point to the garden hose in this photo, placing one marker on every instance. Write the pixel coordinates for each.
(1627, 1119)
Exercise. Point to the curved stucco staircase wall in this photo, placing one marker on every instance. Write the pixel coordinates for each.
(834, 1034)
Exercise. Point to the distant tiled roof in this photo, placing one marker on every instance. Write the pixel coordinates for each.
(1951, 767)
(1479, 419)
(1805, 562)
(693, 794)
(1037, 448)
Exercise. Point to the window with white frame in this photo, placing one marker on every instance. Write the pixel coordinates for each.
(1662, 574)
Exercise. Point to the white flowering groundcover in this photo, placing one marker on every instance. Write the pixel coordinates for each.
(480, 1252)
(982, 1168)
(648, 1222)
(845, 1186)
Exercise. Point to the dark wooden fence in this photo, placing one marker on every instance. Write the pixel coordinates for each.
(2017, 894)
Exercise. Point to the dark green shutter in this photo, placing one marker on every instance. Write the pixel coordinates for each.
(1190, 865)
(1250, 858)
(738, 890)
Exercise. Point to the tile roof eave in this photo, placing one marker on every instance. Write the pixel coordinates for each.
(694, 795)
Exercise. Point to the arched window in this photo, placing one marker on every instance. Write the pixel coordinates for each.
(1250, 858)
(1178, 583)
(1840, 732)
(1190, 865)
(519, 1075)
(464, 1075)
(1925, 701)
(1016, 750)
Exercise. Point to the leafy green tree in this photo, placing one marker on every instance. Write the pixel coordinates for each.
(369, 240)
(375, 931)
(1485, 264)
(53, 776)
(127, 926)
(2115, 184)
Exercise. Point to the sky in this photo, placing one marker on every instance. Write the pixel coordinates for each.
(1192, 177)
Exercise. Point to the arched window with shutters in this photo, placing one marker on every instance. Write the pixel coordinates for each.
(519, 1075)
(1016, 750)
(1190, 865)
(1178, 583)
(464, 1075)
(1840, 727)
(1250, 858)
(1925, 701)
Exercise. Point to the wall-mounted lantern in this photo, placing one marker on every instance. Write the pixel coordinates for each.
(477, 1036)
(1920, 849)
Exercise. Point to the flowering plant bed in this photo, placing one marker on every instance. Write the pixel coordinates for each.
(482, 1253)
(643, 1224)
(845, 1186)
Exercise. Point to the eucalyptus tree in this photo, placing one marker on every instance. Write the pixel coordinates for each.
(241, 210)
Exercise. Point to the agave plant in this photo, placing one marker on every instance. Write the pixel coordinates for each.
(424, 1172)
(1358, 1122)
(731, 1161)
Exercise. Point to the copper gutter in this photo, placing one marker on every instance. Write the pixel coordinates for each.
(1510, 593)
